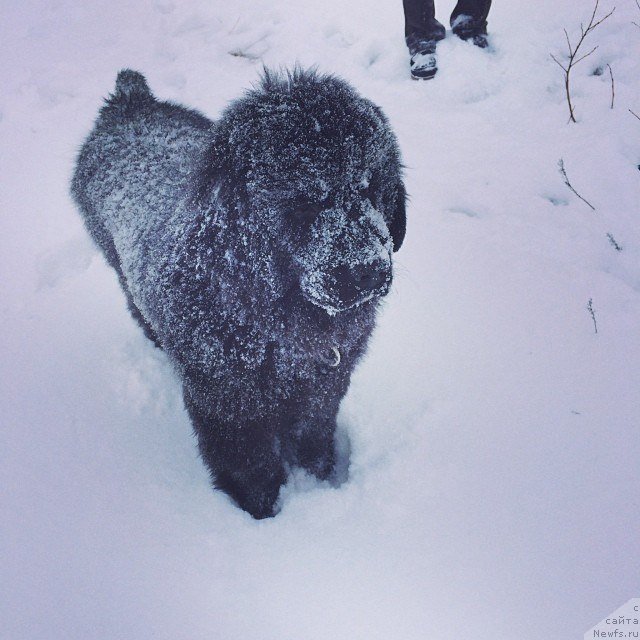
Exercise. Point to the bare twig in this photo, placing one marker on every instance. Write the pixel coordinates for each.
(635, 114)
(572, 56)
(566, 181)
(592, 313)
(632, 22)
(235, 24)
(613, 86)
(613, 242)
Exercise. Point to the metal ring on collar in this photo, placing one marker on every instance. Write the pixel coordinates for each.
(331, 359)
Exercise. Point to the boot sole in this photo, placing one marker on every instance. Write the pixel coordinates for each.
(422, 79)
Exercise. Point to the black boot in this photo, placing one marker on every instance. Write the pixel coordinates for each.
(469, 21)
(422, 32)
(468, 28)
(423, 61)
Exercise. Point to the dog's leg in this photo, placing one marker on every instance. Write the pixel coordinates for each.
(246, 466)
(253, 485)
(311, 436)
(315, 447)
(243, 458)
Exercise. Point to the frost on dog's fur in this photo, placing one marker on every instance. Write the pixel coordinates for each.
(248, 250)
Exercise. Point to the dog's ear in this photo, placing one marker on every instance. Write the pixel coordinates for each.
(398, 222)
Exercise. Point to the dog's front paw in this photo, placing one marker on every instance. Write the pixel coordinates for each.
(258, 496)
(317, 456)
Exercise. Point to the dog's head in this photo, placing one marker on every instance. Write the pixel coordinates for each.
(316, 167)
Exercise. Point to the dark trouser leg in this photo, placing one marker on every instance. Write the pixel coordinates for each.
(469, 17)
(420, 24)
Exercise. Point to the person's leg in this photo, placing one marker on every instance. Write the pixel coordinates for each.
(469, 20)
(422, 31)
(420, 24)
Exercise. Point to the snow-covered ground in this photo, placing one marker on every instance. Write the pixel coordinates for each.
(494, 481)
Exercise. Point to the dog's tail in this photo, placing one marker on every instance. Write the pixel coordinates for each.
(131, 93)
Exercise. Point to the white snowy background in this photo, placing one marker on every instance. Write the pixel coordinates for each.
(494, 481)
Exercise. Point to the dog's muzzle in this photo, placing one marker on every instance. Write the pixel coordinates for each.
(360, 282)
(348, 260)
(348, 286)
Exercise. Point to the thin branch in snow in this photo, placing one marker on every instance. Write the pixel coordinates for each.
(613, 86)
(613, 242)
(592, 313)
(573, 50)
(235, 24)
(635, 114)
(566, 181)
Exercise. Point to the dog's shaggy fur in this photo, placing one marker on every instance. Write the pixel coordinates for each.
(254, 251)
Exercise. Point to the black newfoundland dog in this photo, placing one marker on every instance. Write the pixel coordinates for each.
(254, 251)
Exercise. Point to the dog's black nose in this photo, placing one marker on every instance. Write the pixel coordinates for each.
(367, 277)
(359, 278)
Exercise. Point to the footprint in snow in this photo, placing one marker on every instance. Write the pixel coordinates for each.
(63, 261)
(556, 201)
(465, 211)
(175, 80)
(164, 6)
(334, 35)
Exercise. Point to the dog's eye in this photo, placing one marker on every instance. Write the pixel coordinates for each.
(370, 191)
(307, 211)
